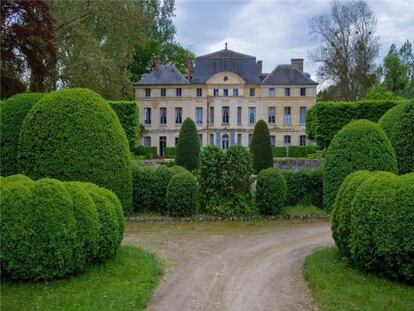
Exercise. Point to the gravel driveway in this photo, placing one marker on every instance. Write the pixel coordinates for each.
(231, 266)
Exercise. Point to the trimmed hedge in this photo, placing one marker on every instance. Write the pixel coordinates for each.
(170, 152)
(304, 186)
(271, 191)
(360, 145)
(261, 147)
(73, 134)
(188, 147)
(12, 113)
(182, 195)
(237, 168)
(148, 152)
(398, 124)
(51, 229)
(381, 227)
(325, 119)
(294, 151)
(128, 114)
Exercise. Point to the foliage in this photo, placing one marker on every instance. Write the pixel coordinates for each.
(73, 134)
(122, 284)
(325, 119)
(182, 195)
(188, 147)
(176, 169)
(12, 113)
(337, 286)
(148, 152)
(348, 48)
(294, 151)
(398, 124)
(261, 147)
(379, 92)
(27, 49)
(302, 210)
(237, 168)
(127, 113)
(271, 191)
(170, 152)
(238, 205)
(304, 187)
(360, 145)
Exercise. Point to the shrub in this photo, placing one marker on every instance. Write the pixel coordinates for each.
(182, 195)
(237, 168)
(127, 113)
(381, 236)
(238, 205)
(188, 147)
(325, 119)
(73, 134)
(161, 179)
(176, 169)
(360, 145)
(148, 152)
(170, 152)
(12, 113)
(271, 191)
(398, 124)
(261, 147)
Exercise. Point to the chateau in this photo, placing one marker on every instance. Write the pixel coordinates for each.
(225, 93)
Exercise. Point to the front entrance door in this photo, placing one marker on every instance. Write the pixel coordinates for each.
(163, 144)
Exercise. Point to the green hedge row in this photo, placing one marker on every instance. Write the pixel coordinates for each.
(271, 191)
(170, 152)
(148, 152)
(51, 229)
(373, 223)
(325, 119)
(294, 151)
(128, 115)
(182, 195)
(304, 187)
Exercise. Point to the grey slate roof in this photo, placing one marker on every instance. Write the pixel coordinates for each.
(287, 75)
(167, 74)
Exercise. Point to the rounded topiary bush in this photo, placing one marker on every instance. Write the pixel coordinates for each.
(271, 191)
(73, 134)
(360, 145)
(261, 147)
(398, 124)
(342, 210)
(188, 147)
(381, 238)
(182, 195)
(12, 113)
(237, 168)
(176, 169)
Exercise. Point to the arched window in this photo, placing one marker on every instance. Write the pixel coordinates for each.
(225, 142)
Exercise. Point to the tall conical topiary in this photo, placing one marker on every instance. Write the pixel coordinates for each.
(188, 147)
(261, 148)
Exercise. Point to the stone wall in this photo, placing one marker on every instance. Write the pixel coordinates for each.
(297, 163)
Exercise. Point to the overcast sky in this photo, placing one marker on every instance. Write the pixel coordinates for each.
(276, 31)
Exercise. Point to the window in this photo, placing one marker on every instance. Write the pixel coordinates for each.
(178, 92)
(252, 115)
(147, 115)
(287, 116)
(147, 141)
(303, 91)
(272, 91)
(239, 139)
(216, 92)
(163, 145)
(302, 115)
(199, 115)
(273, 140)
(225, 92)
(176, 141)
(239, 115)
(250, 139)
(211, 115)
(287, 91)
(225, 142)
(200, 139)
(211, 139)
(199, 92)
(163, 92)
(235, 92)
(272, 115)
(178, 115)
(163, 115)
(226, 115)
(147, 92)
(302, 140)
(286, 140)
(225, 78)
(252, 91)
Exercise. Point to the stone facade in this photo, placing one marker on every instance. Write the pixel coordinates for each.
(224, 104)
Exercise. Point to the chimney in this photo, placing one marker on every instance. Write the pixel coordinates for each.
(189, 69)
(157, 64)
(297, 63)
(259, 66)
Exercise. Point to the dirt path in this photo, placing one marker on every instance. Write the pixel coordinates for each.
(231, 266)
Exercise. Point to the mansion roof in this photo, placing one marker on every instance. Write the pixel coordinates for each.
(227, 60)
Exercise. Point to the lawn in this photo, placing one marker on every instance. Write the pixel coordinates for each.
(123, 283)
(337, 286)
(302, 210)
